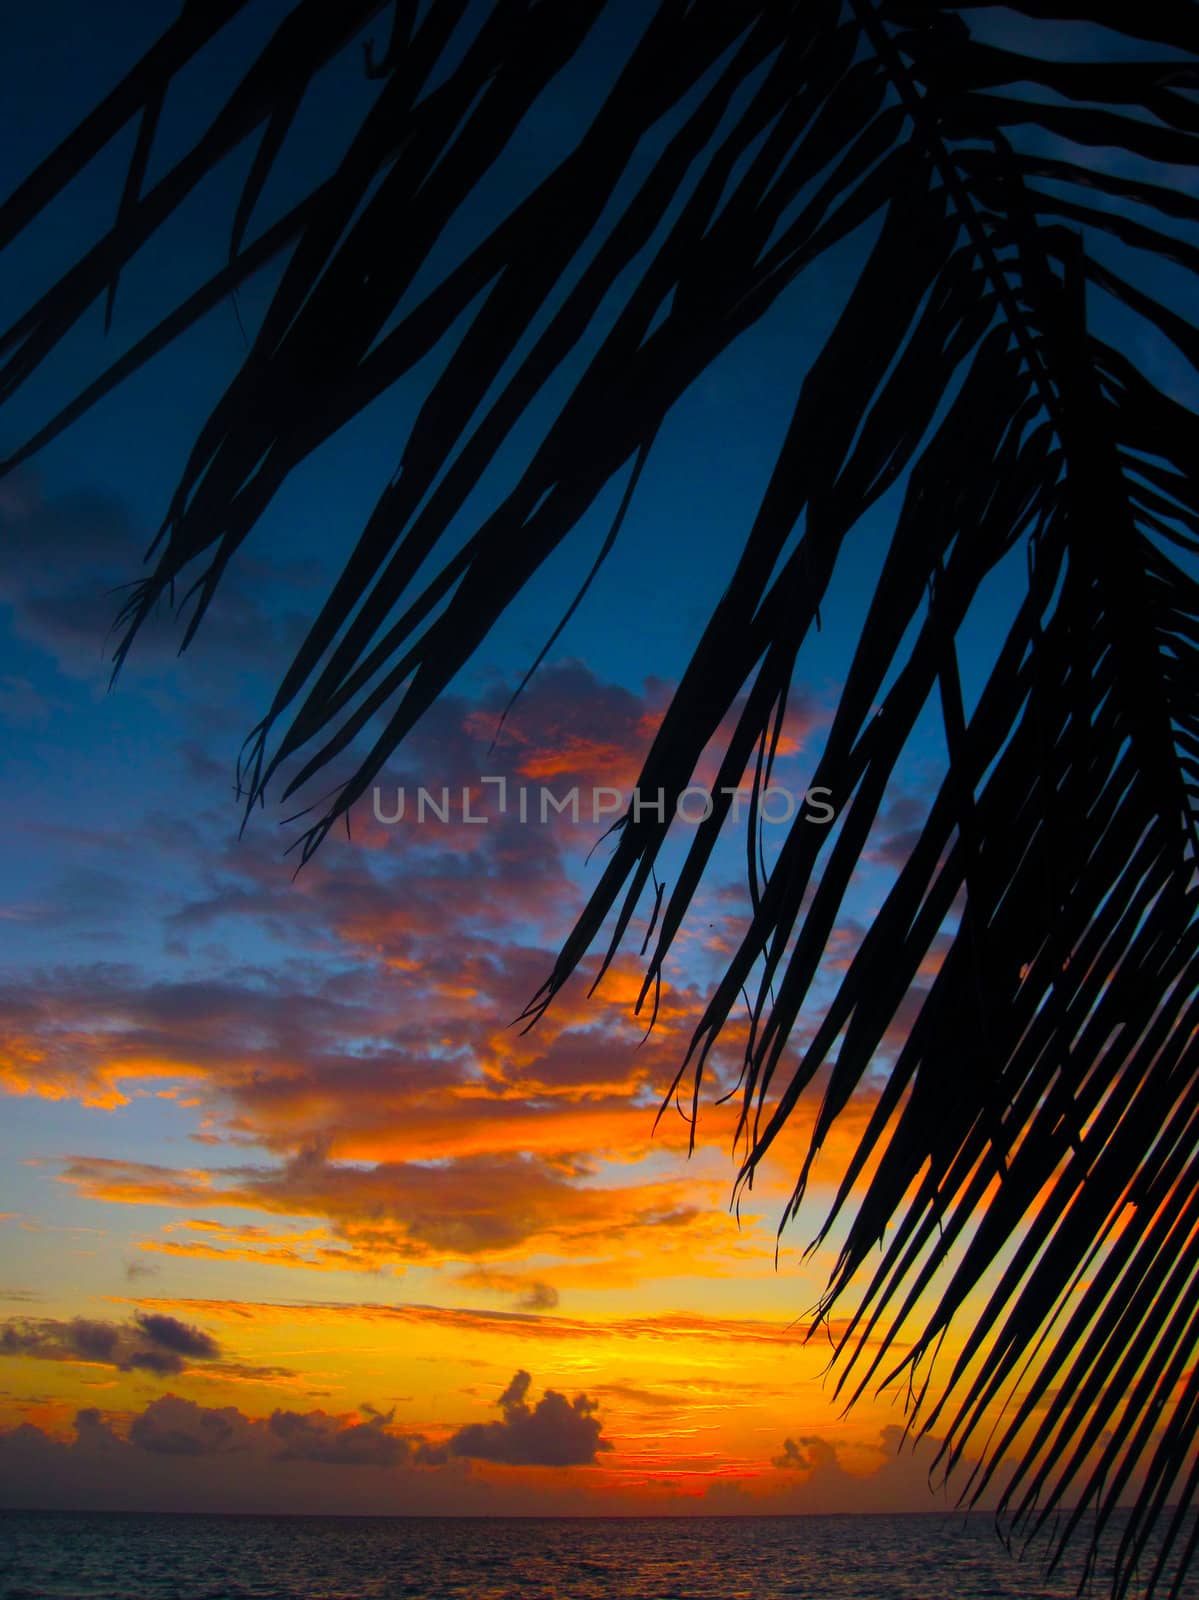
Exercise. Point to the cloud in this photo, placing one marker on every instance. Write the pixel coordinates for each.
(554, 1433)
(172, 1426)
(529, 1294)
(62, 605)
(176, 1337)
(820, 1454)
(176, 1454)
(66, 605)
(444, 1210)
(315, 1436)
(715, 1333)
(152, 1342)
(538, 1297)
(386, 1096)
(886, 1474)
(179, 1455)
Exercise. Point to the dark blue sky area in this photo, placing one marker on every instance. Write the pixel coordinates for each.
(96, 493)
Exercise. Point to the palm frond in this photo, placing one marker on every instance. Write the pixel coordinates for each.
(1034, 1141)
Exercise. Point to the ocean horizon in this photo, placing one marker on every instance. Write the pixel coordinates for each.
(201, 1555)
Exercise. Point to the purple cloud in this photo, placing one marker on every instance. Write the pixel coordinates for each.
(556, 1432)
(158, 1344)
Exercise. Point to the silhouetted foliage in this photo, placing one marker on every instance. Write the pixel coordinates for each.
(1041, 1122)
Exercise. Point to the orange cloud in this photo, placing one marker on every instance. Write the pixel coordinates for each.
(405, 1212)
(325, 1260)
(668, 1327)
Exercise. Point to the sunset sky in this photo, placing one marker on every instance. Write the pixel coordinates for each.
(293, 1218)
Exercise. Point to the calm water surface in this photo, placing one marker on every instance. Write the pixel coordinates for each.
(113, 1556)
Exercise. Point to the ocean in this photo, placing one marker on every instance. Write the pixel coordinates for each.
(124, 1556)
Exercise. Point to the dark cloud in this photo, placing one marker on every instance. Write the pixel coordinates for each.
(885, 1474)
(528, 1294)
(177, 1455)
(805, 1455)
(67, 605)
(899, 827)
(316, 1436)
(556, 1432)
(171, 1334)
(150, 1343)
(538, 1297)
(171, 1426)
(64, 605)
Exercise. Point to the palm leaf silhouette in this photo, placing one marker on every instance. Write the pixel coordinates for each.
(1035, 1140)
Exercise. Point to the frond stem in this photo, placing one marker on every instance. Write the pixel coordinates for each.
(914, 103)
